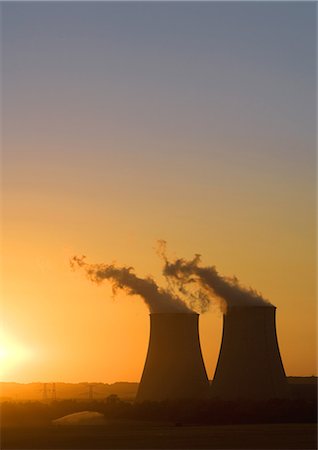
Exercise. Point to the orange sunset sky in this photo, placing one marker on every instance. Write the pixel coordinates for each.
(132, 122)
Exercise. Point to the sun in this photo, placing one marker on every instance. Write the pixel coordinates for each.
(12, 354)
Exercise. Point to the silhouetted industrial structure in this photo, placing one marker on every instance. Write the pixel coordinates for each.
(174, 367)
(53, 392)
(90, 392)
(249, 364)
(44, 392)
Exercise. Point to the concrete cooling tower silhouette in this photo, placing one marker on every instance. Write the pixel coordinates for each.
(249, 364)
(174, 367)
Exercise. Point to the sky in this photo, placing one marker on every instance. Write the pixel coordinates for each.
(125, 123)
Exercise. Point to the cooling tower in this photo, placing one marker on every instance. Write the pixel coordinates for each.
(249, 364)
(174, 367)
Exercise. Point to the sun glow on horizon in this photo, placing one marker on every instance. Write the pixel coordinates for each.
(12, 354)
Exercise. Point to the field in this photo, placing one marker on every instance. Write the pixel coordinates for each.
(154, 435)
(184, 424)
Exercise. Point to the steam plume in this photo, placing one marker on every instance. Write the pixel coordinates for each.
(226, 291)
(157, 299)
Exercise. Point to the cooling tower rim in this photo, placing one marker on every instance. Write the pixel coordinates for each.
(190, 313)
(247, 307)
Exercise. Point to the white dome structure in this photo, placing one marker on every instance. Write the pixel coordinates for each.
(81, 418)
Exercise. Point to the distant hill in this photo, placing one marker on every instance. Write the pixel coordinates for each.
(35, 391)
(302, 380)
(302, 387)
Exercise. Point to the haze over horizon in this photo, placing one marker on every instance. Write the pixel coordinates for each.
(132, 122)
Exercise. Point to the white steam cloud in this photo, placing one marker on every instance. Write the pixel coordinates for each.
(158, 300)
(210, 286)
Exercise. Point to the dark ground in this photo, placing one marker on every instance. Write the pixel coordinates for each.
(141, 435)
(187, 424)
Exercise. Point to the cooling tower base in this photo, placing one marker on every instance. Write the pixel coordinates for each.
(249, 365)
(174, 367)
